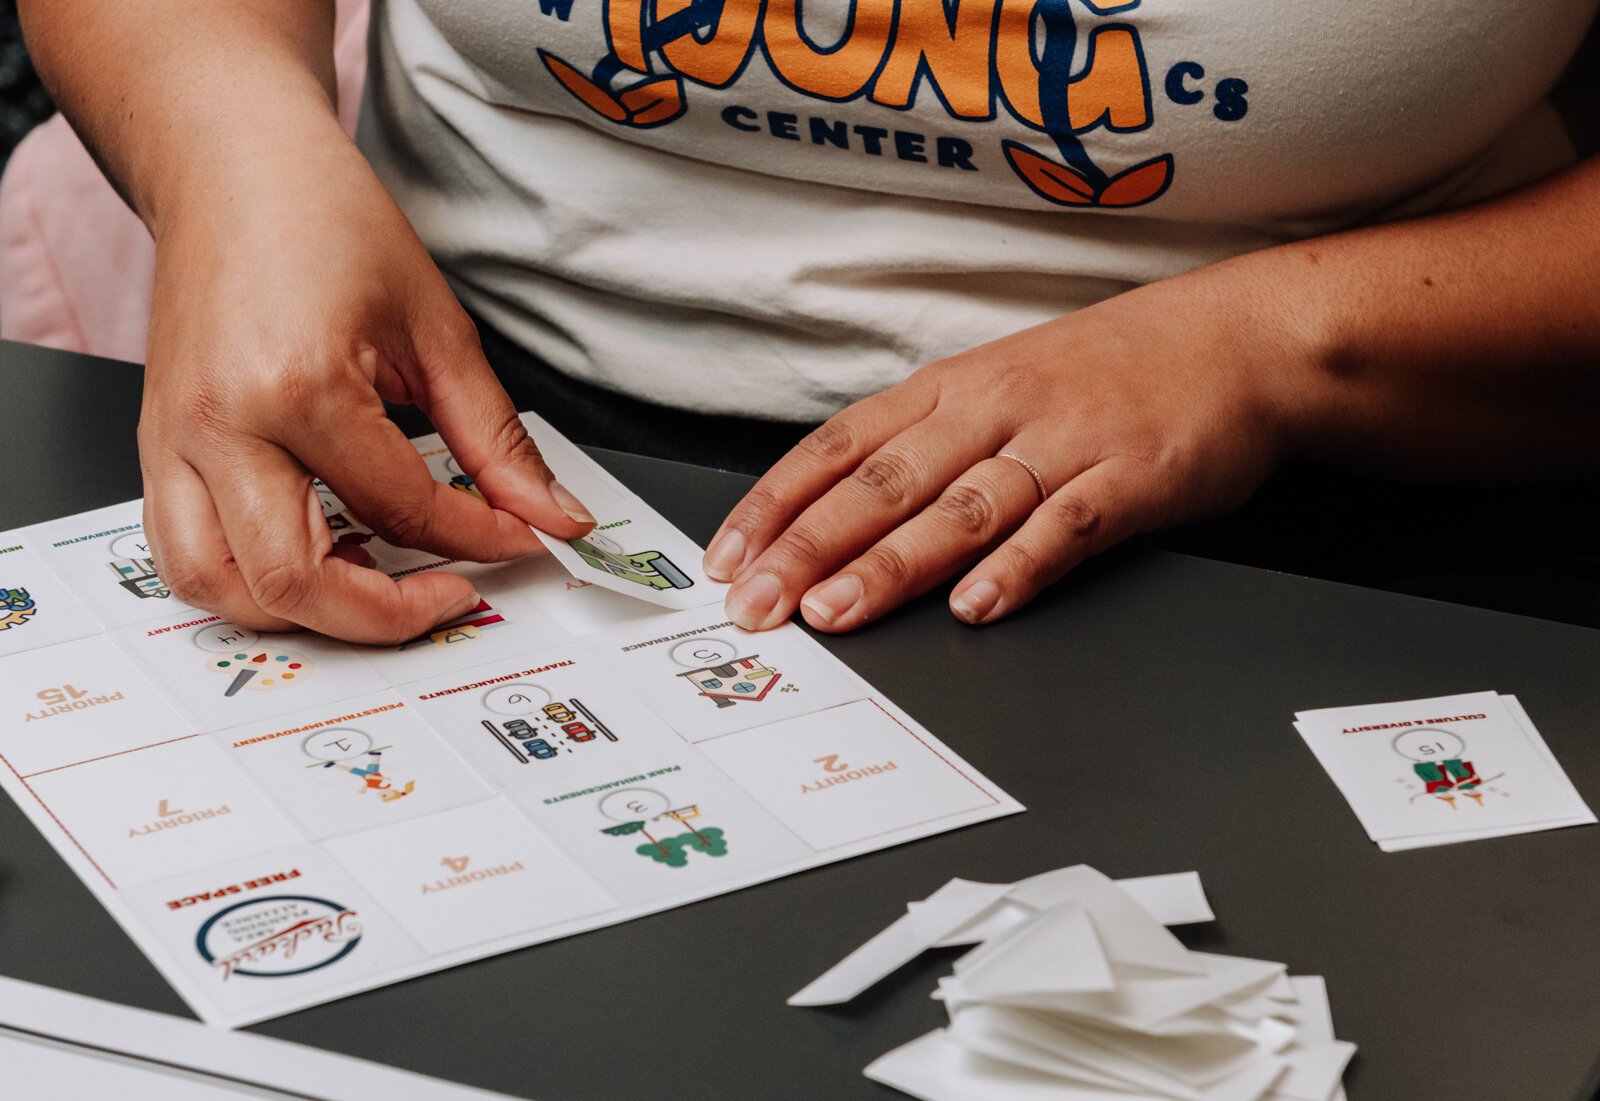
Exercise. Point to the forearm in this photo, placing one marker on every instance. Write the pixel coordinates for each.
(179, 98)
(1465, 344)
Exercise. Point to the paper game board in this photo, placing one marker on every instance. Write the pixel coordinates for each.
(282, 820)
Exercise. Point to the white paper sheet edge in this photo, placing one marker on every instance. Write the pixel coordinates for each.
(157, 1038)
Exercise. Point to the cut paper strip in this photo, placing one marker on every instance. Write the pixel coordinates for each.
(1127, 932)
(1145, 1003)
(862, 969)
(1009, 1035)
(999, 918)
(1079, 1060)
(1074, 990)
(879, 957)
(1177, 898)
(953, 910)
(1195, 1063)
(1313, 1070)
(935, 1067)
(1053, 950)
(1174, 899)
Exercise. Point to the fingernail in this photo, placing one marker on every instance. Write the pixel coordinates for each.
(725, 555)
(750, 602)
(976, 601)
(462, 607)
(570, 504)
(834, 599)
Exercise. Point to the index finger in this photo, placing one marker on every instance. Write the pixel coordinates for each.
(274, 526)
(466, 403)
(813, 467)
(367, 461)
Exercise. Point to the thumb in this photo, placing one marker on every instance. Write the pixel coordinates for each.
(471, 410)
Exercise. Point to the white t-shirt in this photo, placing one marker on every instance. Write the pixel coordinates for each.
(774, 207)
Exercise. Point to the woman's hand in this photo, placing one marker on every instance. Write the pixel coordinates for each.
(1157, 406)
(289, 300)
(291, 296)
(1446, 347)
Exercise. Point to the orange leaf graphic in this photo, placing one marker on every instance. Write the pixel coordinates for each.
(594, 97)
(654, 101)
(1050, 180)
(1139, 184)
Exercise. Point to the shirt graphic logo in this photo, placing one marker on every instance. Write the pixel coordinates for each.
(1058, 67)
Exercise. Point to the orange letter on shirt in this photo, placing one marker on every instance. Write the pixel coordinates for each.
(1013, 60)
(718, 60)
(1112, 89)
(625, 28)
(957, 57)
(837, 72)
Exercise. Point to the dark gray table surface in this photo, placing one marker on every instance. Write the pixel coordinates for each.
(1141, 711)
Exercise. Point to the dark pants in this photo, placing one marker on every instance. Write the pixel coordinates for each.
(1533, 550)
(589, 415)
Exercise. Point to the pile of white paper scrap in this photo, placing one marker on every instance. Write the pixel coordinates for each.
(1077, 992)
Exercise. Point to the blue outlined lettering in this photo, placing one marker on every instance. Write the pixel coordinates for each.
(1177, 89)
(910, 146)
(1231, 104)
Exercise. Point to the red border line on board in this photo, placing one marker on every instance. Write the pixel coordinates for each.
(105, 756)
(986, 793)
(59, 824)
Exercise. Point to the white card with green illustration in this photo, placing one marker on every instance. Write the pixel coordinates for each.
(632, 550)
(282, 820)
(1452, 767)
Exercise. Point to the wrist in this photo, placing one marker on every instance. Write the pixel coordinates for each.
(261, 181)
(226, 159)
(1282, 329)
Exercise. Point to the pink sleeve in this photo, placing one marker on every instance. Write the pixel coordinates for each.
(76, 265)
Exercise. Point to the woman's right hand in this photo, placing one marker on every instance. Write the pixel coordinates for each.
(290, 301)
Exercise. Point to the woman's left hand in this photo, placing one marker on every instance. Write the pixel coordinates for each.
(1163, 404)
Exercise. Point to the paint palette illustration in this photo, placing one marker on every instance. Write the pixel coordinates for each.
(260, 669)
(248, 664)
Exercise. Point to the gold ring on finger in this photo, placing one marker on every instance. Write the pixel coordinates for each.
(1038, 479)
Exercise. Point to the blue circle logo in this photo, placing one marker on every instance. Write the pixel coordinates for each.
(278, 936)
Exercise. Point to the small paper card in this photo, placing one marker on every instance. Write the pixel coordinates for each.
(632, 550)
(1442, 770)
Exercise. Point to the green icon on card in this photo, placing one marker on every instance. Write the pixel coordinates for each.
(649, 568)
(639, 810)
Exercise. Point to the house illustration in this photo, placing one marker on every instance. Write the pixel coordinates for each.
(139, 577)
(740, 680)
